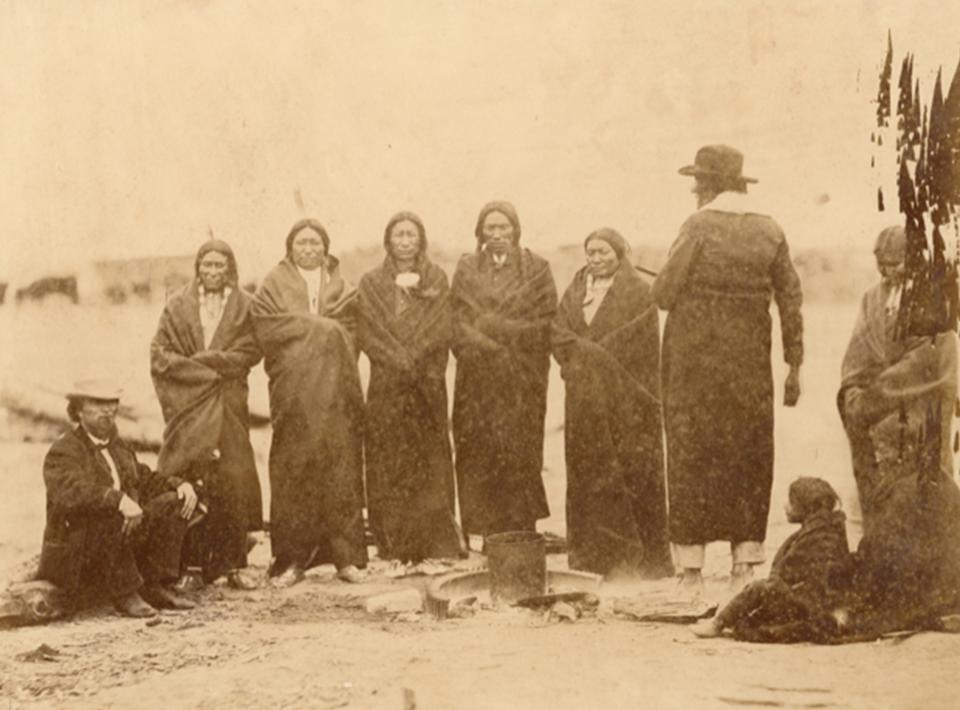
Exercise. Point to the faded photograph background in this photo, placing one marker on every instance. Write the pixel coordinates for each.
(132, 131)
(131, 128)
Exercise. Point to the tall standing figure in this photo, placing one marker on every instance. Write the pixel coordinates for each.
(504, 300)
(405, 329)
(888, 384)
(199, 360)
(606, 337)
(304, 316)
(727, 262)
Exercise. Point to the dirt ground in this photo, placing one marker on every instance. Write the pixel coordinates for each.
(316, 646)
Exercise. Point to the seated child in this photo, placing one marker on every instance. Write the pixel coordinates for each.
(802, 597)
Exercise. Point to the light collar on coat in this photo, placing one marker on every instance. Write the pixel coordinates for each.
(99, 443)
(735, 202)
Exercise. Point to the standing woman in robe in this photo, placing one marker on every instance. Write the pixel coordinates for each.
(606, 338)
(723, 269)
(405, 329)
(304, 316)
(504, 301)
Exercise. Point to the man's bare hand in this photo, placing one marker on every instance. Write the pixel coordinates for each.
(791, 388)
(186, 493)
(132, 514)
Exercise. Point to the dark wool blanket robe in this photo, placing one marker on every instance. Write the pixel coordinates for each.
(316, 407)
(887, 386)
(907, 566)
(809, 580)
(502, 343)
(203, 393)
(406, 334)
(616, 500)
(717, 379)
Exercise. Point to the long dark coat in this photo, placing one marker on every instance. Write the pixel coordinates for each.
(316, 407)
(616, 502)
(502, 344)
(406, 334)
(717, 380)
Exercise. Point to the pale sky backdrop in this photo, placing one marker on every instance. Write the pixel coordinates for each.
(130, 128)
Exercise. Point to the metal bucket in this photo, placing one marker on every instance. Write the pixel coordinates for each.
(518, 565)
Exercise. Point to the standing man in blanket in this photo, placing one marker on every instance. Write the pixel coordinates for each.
(504, 301)
(199, 359)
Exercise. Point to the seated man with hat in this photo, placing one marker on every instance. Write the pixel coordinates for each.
(114, 527)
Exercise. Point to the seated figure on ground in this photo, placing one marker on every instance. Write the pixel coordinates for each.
(805, 588)
(114, 528)
(905, 574)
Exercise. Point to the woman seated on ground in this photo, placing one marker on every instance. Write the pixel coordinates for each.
(802, 598)
(405, 329)
(606, 339)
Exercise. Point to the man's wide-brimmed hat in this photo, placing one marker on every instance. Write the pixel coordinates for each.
(102, 389)
(719, 162)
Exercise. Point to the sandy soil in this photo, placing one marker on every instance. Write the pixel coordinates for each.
(316, 646)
